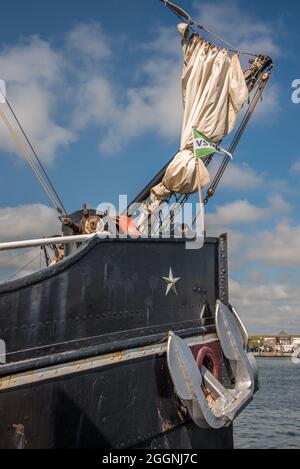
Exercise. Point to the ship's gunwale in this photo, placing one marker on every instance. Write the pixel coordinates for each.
(78, 255)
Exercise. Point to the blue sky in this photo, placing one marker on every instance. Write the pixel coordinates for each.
(97, 86)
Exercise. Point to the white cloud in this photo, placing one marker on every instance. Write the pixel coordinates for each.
(247, 33)
(17, 264)
(267, 308)
(279, 247)
(242, 212)
(295, 168)
(34, 73)
(31, 60)
(27, 222)
(155, 108)
(236, 213)
(78, 82)
(166, 43)
(154, 104)
(23, 223)
(36, 108)
(44, 82)
(235, 24)
(89, 41)
(95, 104)
(248, 242)
(148, 108)
(238, 176)
(269, 106)
(279, 208)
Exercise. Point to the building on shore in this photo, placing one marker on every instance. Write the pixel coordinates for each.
(282, 342)
(296, 342)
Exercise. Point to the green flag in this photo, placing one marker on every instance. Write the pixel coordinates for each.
(204, 147)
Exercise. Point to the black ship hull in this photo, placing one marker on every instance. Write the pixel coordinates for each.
(86, 346)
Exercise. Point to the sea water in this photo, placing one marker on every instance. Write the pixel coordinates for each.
(273, 419)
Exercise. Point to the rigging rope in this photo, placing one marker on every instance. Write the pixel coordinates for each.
(183, 198)
(263, 73)
(257, 96)
(23, 268)
(183, 15)
(28, 159)
(11, 258)
(46, 184)
(36, 156)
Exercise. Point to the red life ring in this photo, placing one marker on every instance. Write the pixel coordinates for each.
(207, 357)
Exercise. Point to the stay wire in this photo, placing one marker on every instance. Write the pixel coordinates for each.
(28, 159)
(237, 138)
(58, 202)
(191, 21)
(11, 258)
(23, 268)
(37, 157)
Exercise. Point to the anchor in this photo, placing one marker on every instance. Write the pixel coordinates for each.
(189, 381)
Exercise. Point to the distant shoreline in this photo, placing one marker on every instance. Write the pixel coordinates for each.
(272, 355)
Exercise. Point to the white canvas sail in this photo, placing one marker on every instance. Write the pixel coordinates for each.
(214, 90)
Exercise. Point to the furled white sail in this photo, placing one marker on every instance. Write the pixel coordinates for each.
(214, 90)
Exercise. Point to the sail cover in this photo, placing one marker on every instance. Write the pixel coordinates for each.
(214, 90)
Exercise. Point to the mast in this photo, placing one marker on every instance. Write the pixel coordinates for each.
(256, 77)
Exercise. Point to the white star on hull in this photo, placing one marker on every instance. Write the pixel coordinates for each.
(171, 283)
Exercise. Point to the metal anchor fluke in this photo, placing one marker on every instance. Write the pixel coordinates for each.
(189, 380)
